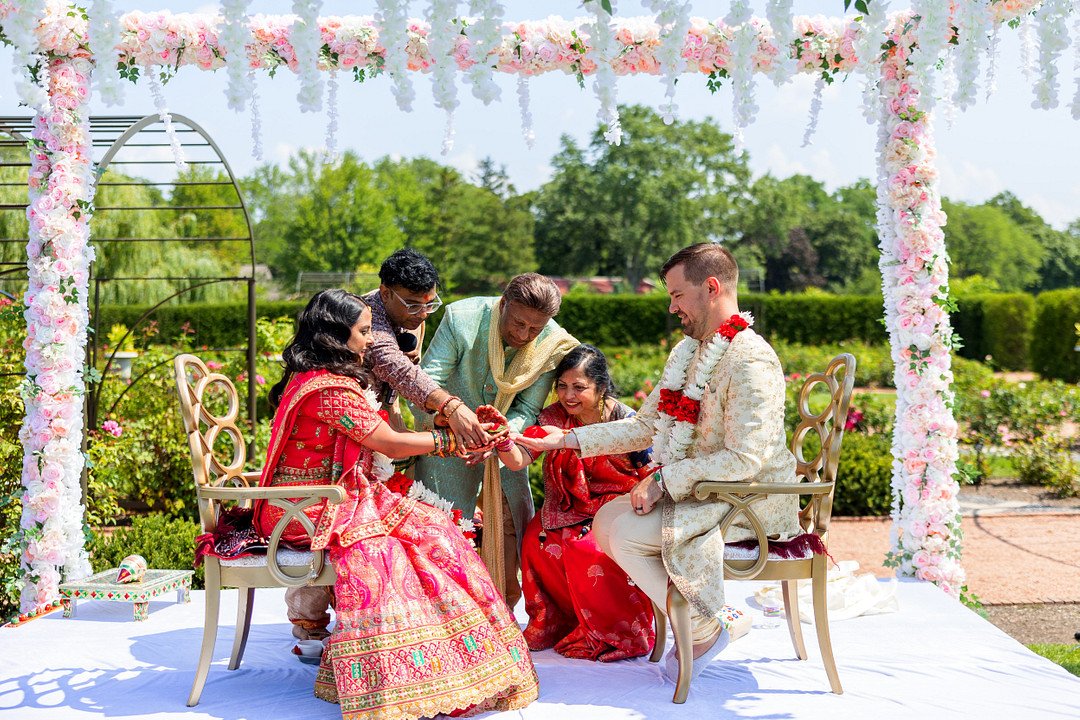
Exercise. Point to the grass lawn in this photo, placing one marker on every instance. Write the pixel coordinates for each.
(1067, 656)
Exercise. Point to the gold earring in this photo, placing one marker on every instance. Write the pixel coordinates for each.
(600, 408)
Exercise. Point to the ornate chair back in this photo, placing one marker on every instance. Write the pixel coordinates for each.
(827, 425)
(211, 437)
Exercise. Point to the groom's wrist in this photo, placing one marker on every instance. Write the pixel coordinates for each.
(658, 478)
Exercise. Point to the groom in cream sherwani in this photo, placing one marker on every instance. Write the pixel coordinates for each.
(660, 533)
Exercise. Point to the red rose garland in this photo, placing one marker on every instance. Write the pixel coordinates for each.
(676, 403)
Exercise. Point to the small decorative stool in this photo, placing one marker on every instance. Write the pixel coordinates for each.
(103, 586)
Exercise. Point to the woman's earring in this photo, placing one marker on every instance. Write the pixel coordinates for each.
(600, 408)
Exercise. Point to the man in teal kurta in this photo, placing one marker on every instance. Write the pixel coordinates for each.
(459, 360)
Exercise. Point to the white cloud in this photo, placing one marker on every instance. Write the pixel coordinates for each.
(967, 181)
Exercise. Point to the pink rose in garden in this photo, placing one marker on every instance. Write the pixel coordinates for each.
(112, 427)
(214, 365)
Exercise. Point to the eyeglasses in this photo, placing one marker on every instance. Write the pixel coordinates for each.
(417, 308)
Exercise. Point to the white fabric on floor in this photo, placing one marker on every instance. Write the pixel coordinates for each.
(932, 659)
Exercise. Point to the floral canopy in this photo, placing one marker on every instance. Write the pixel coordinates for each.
(64, 53)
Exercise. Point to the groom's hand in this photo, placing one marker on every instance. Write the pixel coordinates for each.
(555, 439)
(645, 495)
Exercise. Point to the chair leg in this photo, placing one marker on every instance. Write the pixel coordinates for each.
(791, 609)
(210, 623)
(679, 617)
(245, 599)
(661, 634)
(821, 621)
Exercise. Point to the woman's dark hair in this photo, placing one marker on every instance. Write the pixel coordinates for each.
(593, 363)
(409, 269)
(321, 341)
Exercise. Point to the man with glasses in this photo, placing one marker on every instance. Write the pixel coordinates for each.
(406, 296)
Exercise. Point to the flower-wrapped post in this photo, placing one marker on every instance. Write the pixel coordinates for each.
(61, 186)
(915, 282)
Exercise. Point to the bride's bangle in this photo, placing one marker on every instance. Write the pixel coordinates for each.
(505, 445)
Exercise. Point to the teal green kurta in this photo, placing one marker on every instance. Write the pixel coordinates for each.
(457, 360)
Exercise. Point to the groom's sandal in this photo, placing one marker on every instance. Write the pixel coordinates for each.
(671, 663)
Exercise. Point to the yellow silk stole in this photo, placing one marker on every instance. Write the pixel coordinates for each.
(530, 362)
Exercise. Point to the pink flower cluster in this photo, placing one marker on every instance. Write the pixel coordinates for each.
(915, 269)
(112, 427)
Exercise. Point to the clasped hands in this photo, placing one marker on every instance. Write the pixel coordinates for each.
(477, 433)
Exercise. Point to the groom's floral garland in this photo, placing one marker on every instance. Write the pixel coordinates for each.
(680, 403)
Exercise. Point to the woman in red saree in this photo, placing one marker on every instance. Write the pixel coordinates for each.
(578, 600)
(421, 629)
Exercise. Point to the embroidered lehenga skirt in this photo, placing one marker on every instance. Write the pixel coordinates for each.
(421, 629)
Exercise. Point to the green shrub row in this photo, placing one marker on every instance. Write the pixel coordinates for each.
(1018, 330)
(1055, 339)
(998, 326)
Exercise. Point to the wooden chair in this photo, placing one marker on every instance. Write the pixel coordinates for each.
(818, 480)
(219, 482)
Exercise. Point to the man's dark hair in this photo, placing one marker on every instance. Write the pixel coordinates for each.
(409, 269)
(703, 261)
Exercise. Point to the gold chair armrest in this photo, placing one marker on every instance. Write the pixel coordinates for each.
(334, 494)
(253, 477)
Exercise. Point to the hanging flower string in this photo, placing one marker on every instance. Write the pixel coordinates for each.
(234, 36)
(602, 52)
(1075, 105)
(973, 38)
(104, 35)
(782, 25)
(1053, 41)
(331, 116)
(158, 92)
(483, 38)
(815, 113)
(673, 17)
(744, 38)
(21, 28)
(256, 120)
(391, 19)
(441, 44)
(526, 112)
(307, 41)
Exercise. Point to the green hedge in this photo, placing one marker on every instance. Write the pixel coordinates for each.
(1053, 353)
(998, 325)
(1016, 329)
(165, 543)
(864, 475)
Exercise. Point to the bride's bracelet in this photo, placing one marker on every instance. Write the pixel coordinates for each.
(505, 445)
(445, 442)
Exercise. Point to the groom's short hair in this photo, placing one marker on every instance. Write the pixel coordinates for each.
(703, 261)
(536, 292)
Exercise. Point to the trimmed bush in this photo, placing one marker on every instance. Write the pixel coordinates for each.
(817, 318)
(215, 324)
(998, 325)
(1054, 337)
(166, 543)
(864, 476)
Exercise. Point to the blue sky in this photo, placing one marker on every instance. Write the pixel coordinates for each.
(999, 144)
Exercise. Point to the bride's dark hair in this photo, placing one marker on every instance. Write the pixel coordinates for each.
(321, 341)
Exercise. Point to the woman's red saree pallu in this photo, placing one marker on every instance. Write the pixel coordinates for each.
(421, 629)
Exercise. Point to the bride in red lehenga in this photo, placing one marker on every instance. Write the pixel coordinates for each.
(578, 600)
(421, 629)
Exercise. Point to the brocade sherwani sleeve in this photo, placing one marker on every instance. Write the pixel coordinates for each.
(753, 419)
(621, 436)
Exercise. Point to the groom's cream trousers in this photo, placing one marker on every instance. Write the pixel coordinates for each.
(634, 542)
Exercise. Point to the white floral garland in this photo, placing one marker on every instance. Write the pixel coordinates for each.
(815, 112)
(973, 25)
(868, 52)
(991, 61)
(602, 52)
(673, 17)
(782, 23)
(485, 36)
(256, 120)
(526, 111)
(1027, 48)
(331, 116)
(1053, 40)
(743, 42)
(391, 17)
(20, 27)
(306, 40)
(233, 37)
(104, 36)
(933, 39)
(1075, 105)
(442, 41)
(672, 439)
(158, 92)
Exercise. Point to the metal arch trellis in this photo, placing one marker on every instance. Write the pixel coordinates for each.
(143, 135)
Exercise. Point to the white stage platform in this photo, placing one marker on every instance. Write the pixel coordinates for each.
(933, 659)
